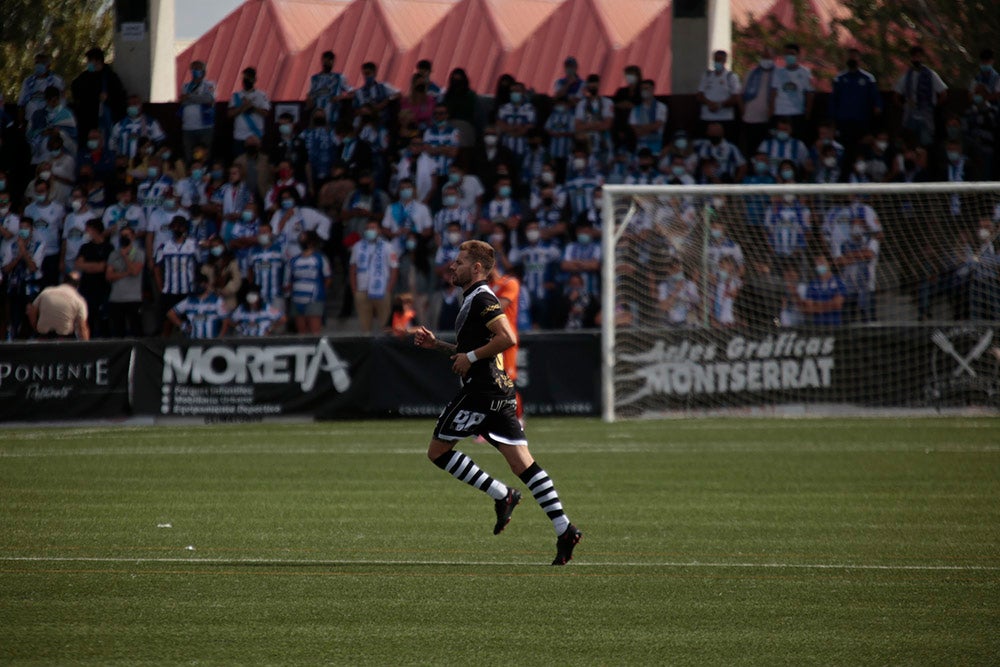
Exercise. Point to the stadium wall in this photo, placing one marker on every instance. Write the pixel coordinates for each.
(819, 371)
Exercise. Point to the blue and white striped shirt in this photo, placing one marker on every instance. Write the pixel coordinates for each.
(521, 114)
(178, 262)
(307, 275)
(254, 323)
(268, 268)
(204, 317)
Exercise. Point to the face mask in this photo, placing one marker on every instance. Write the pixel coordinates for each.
(490, 140)
(44, 175)
(253, 299)
(133, 111)
(829, 162)
(406, 194)
(717, 66)
(560, 108)
(178, 232)
(76, 205)
(248, 84)
(680, 144)
(647, 94)
(790, 60)
(515, 98)
(977, 100)
(246, 216)
(153, 172)
(454, 178)
(24, 233)
(285, 130)
(371, 234)
(532, 235)
(92, 144)
(411, 244)
(789, 199)
(916, 64)
(3, 185)
(723, 274)
(169, 205)
(857, 232)
(787, 174)
(781, 135)
(454, 238)
(678, 170)
(579, 163)
(984, 234)
(852, 64)
(449, 200)
(197, 73)
(504, 191)
(196, 174)
(716, 233)
(767, 63)
(496, 238)
(548, 177)
(548, 201)
(4, 210)
(583, 238)
(677, 277)
(821, 269)
(217, 251)
(124, 241)
(953, 156)
(598, 203)
(319, 121)
(631, 79)
(41, 198)
(217, 174)
(881, 145)
(264, 239)
(860, 167)
(715, 140)
(201, 288)
(287, 204)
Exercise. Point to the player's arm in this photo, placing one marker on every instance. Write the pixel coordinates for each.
(425, 338)
(504, 337)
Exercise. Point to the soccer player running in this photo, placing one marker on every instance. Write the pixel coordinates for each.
(485, 405)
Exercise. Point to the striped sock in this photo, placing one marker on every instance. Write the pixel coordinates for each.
(464, 469)
(544, 491)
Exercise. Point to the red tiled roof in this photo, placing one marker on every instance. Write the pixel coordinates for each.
(529, 39)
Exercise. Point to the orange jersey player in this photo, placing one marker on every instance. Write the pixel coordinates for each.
(508, 290)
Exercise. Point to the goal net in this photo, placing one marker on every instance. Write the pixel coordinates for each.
(784, 299)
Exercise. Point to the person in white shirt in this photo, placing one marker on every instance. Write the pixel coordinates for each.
(247, 109)
(32, 97)
(197, 102)
(75, 228)
(719, 94)
(48, 216)
(373, 275)
(756, 101)
(792, 91)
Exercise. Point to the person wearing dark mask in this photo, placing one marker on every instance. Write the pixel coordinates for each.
(328, 89)
(247, 108)
(174, 270)
(124, 273)
(377, 93)
(920, 91)
(461, 100)
(223, 272)
(197, 110)
(855, 104)
(201, 314)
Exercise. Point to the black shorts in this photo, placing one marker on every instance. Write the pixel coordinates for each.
(492, 415)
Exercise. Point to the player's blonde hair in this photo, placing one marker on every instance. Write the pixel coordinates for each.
(479, 251)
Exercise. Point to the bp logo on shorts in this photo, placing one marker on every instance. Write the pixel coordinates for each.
(465, 420)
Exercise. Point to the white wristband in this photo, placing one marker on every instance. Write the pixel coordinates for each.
(471, 356)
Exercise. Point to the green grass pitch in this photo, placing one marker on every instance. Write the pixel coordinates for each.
(727, 541)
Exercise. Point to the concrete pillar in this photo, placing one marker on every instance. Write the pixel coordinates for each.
(144, 48)
(699, 28)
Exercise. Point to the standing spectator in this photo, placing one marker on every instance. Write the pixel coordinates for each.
(223, 272)
(980, 123)
(987, 77)
(75, 228)
(648, 119)
(538, 261)
(424, 68)
(257, 168)
(159, 223)
(452, 212)
(48, 217)
(290, 148)
(124, 213)
(349, 153)
(374, 92)
(792, 92)
(374, 270)
(626, 97)
(92, 265)
(825, 295)
(98, 95)
(920, 90)
(33, 89)
(417, 106)
(292, 219)
(719, 95)
(787, 222)
(583, 256)
(266, 267)
(53, 120)
(328, 90)
(22, 270)
(201, 314)
(856, 261)
(726, 285)
(981, 272)
(247, 108)
(676, 296)
(494, 158)
(254, 317)
(595, 115)
(318, 141)
(514, 120)
(461, 100)
(441, 140)
(63, 166)
(127, 133)
(175, 263)
(96, 161)
(855, 103)
(307, 282)
(124, 273)
(560, 127)
(756, 101)
(570, 85)
(197, 103)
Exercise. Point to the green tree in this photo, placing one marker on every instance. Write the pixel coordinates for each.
(951, 31)
(66, 29)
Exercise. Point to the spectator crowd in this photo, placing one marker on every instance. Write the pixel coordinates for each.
(346, 209)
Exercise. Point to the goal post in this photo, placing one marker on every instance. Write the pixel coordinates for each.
(799, 298)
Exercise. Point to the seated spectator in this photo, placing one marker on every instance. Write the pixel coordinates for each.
(266, 267)
(126, 133)
(201, 314)
(856, 262)
(676, 296)
(825, 295)
(254, 317)
(579, 307)
(782, 145)
(726, 285)
(730, 161)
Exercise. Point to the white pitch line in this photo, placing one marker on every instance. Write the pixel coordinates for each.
(644, 564)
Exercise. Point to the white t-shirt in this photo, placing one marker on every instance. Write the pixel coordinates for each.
(791, 86)
(719, 87)
(251, 124)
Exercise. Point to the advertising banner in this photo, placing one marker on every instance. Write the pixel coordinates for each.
(64, 381)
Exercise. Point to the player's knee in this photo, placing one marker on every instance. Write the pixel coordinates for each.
(437, 448)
